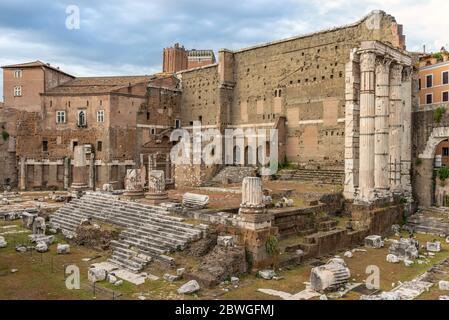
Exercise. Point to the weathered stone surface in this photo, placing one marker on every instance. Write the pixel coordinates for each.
(41, 247)
(374, 241)
(63, 248)
(404, 249)
(392, 258)
(96, 274)
(171, 278)
(180, 272)
(443, 285)
(3, 243)
(21, 248)
(192, 200)
(112, 278)
(220, 264)
(39, 226)
(225, 241)
(348, 254)
(433, 246)
(331, 276)
(190, 287)
(266, 274)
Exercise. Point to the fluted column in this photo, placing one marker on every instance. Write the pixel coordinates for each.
(252, 201)
(23, 174)
(381, 175)
(406, 143)
(367, 114)
(352, 112)
(395, 122)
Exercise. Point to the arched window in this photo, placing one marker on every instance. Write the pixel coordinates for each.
(82, 118)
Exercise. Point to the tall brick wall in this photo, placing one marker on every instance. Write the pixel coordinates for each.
(301, 78)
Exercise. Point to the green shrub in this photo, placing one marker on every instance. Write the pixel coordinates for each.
(418, 161)
(272, 245)
(5, 135)
(443, 173)
(438, 56)
(438, 115)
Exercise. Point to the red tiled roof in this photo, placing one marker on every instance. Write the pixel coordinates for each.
(36, 63)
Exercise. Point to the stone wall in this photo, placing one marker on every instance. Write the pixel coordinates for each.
(301, 78)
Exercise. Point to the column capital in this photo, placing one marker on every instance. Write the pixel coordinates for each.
(383, 64)
(407, 73)
(367, 60)
(396, 72)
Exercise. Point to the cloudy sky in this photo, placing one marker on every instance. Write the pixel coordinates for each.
(126, 37)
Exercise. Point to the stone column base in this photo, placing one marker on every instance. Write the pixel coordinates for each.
(252, 210)
(156, 198)
(79, 186)
(133, 194)
(255, 221)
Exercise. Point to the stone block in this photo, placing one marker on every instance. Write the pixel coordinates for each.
(96, 274)
(433, 246)
(392, 258)
(63, 248)
(225, 241)
(374, 241)
(189, 287)
(267, 274)
(443, 285)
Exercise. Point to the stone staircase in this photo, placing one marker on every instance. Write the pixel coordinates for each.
(314, 175)
(148, 232)
(233, 174)
(430, 220)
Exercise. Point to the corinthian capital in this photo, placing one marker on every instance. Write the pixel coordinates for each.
(367, 61)
(396, 71)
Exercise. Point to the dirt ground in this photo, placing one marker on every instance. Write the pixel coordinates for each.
(37, 279)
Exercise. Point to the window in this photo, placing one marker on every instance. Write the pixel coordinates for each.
(177, 123)
(18, 74)
(200, 118)
(445, 77)
(44, 145)
(100, 116)
(74, 144)
(445, 97)
(60, 116)
(17, 91)
(419, 81)
(429, 81)
(429, 98)
(81, 118)
(148, 116)
(99, 145)
(153, 131)
(445, 152)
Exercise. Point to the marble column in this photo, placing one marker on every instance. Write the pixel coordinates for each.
(156, 187)
(381, 172)
(23, 173)
(92, 171)
(167, 166)
(66, 173)
(367, 114)
(80, 174)
(352, 112)
(406, 143)
(395, 122)
(252, 201)
(133, 184)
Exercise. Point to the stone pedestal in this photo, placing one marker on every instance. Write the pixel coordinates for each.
(156, 187)
(133, 184)
(80, 170)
